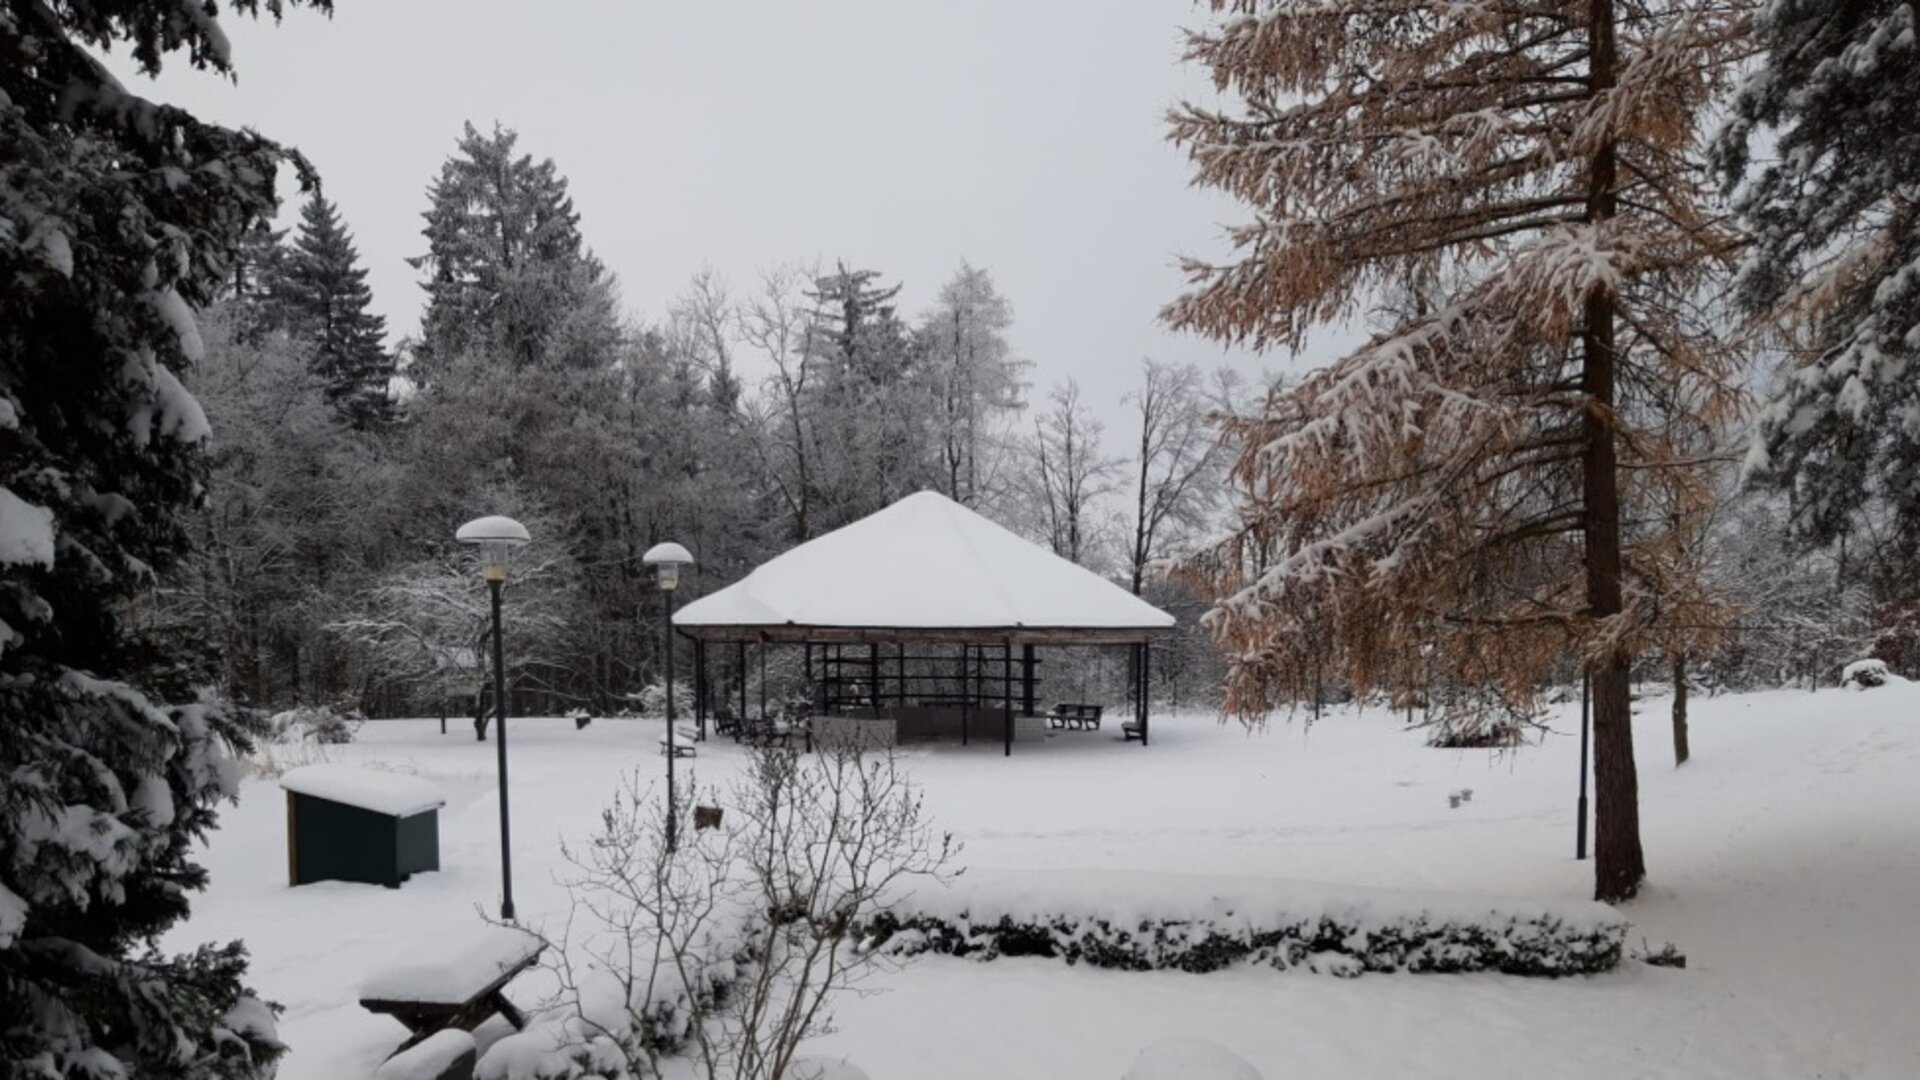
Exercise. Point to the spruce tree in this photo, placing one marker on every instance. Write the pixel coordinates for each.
(507, 274)
(321, 292)
(1835, 261)
(123, 216)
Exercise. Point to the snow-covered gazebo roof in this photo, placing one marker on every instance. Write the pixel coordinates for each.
(925, 568)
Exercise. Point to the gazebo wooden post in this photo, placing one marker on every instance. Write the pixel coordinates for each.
(763, 677)
(963, 694)
(900, 675)
(873, 676)
(1146, 687)
(700, 687)
(740, 668)
(1026, 680)
(1006, 693)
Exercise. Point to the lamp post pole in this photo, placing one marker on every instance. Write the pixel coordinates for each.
(1580, 829)
(673, 806)
(500, 747)
(496, 537)
(667, 558)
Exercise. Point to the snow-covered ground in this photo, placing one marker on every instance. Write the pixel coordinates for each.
(1785, 861)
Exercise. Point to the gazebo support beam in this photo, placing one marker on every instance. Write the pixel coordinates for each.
(700, 688)
(1146, 685)
(1006, 693)
(1026, 679)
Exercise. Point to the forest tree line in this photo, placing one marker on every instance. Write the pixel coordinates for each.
(748, 420)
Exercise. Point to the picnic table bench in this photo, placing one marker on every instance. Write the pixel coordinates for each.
(683, 742)
(462, 991)
(1075, 715)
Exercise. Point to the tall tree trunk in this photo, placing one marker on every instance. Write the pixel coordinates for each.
(1679, 709)
(1619, 865)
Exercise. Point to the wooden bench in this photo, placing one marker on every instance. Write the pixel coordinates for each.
(1134, 729)
(1075, 715)
(460, 993)
(683, 742)
(725, 723)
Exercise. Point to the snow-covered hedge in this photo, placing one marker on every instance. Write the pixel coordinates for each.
(1144, 922)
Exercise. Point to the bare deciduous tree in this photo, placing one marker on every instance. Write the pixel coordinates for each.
(1178, 471)
(1071, 472)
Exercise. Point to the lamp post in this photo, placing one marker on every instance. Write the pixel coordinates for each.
(497, 537)
(667, 559)
(1580, 810)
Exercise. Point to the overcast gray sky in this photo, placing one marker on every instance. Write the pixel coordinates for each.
(1025, 136)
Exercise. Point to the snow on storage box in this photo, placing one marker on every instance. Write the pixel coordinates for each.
(350, 824)
(390, 793)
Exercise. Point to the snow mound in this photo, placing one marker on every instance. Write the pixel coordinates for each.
(446, 971)
(435, 1057)
(394, 794)
(825, 1068)
(1190, 1059)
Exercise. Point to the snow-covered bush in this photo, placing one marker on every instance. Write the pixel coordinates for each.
(1146, 923)
(652, 698)
(727, 948)
(315, 724)
(1190, 1059)
(1490, 733)
(1864, 674)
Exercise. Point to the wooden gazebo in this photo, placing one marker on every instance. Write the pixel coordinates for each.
(920, 621)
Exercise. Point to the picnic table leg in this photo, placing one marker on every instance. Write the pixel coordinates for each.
(507, 1009)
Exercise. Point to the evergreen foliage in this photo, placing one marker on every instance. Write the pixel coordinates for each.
(1835, 262)
(507, 274)
(323, 297)
(118, 216)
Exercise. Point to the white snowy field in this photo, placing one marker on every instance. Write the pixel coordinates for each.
(1785, 863)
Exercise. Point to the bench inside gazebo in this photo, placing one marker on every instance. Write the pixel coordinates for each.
(921, 622)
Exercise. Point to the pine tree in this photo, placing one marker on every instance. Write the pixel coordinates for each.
(1488, 481)
(508, 275)
(123, 217)
(1835, 262)
(321, 291)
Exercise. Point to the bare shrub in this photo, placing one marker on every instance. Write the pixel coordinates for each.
(729, 950)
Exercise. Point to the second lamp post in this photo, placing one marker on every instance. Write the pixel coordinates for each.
(667, 559)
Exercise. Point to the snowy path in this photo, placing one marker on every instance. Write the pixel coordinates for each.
(1786, 860)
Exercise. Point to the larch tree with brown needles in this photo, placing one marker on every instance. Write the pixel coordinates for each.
(1492, 483)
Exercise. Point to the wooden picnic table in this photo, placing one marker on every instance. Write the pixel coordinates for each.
(459, 992)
